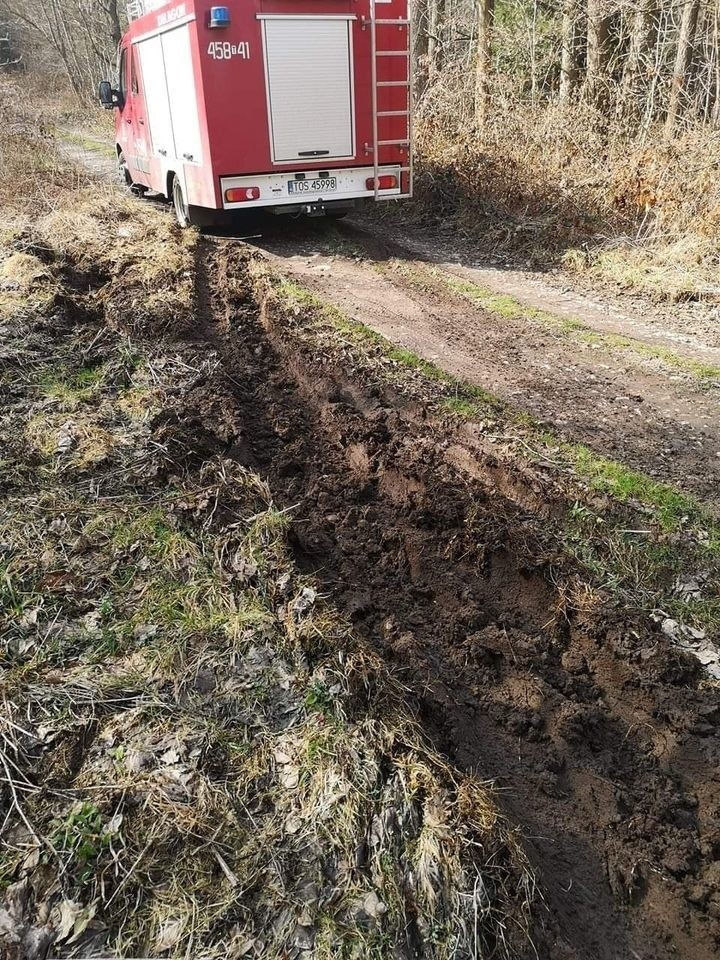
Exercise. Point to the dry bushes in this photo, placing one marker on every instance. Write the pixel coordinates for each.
(546, 182)
(33, 174)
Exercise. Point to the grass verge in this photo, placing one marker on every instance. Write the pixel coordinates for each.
(198, 756)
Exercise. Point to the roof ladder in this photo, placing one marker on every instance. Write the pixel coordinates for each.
(380, 50)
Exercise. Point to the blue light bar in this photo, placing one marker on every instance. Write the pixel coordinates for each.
(219, 17)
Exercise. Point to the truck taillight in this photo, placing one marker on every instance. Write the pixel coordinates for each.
(242, 194)
(384, 183)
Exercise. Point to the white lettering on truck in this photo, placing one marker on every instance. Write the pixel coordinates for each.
(226, 51)
(177, 13)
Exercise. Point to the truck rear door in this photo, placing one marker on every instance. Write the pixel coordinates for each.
(309, 82)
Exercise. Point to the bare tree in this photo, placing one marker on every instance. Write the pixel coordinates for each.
(420, 15)
(683, 57)
(483, 59)
(84, 41)
(10, 56)
(641, 60)
(436, 21)
(570, 55)
(112, 11)
(598, 50)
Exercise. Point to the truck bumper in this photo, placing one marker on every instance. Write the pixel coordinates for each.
(312, 187)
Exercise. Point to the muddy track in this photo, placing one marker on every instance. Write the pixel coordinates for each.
(622, 403)
(643, 413)
(595, 731)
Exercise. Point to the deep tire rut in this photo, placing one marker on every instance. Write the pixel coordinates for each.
(622, 403)
(594, 731)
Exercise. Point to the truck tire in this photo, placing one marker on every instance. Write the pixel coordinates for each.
(182, 210)
(124, 171)
(125, 178)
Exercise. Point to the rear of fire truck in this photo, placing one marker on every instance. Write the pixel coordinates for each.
(297, 106)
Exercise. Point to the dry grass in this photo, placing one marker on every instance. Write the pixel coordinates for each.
(224, 777)
(25, 283)
(34, 176)
(545, 183)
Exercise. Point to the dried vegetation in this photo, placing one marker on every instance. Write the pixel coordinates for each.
(556, 185)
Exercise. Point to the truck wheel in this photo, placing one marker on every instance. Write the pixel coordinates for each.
(123, 171)
(182, 211)
(126, 180)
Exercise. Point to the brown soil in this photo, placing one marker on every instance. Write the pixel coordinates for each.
(690, 323)
(626, 406)
(598, 734)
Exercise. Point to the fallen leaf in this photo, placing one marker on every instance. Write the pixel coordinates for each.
(66, 915)
(169, 935)
(374, 906)
(290, 777)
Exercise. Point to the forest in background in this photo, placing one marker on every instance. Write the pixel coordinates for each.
(587, 130)
(581, 130)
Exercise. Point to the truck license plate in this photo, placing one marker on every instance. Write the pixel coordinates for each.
(324, 185)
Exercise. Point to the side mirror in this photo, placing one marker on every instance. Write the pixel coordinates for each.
(109, 98)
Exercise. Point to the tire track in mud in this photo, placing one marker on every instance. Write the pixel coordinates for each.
(656, 423)
(594, 730)
(623, 405)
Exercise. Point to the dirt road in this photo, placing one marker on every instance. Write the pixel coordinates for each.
(608, 378)
(619, 374)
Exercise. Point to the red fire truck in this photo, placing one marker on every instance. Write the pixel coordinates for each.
(297, 106)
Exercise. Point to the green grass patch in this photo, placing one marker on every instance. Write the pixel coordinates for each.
(72, 388)
(297, 299)
(672, 509)
(152, 535)
(93, 144)
(413, 362)
(83, 838)
(460, 407)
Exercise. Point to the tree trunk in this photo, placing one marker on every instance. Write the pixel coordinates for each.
(569, 65)
(483, 63)
(639, 65)
(686, 39)
(420, 53)
(116, 30)
(436, 22)
(598, 51)
(716, 84)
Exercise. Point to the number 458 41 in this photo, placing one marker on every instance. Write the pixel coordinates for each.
(226, 51)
